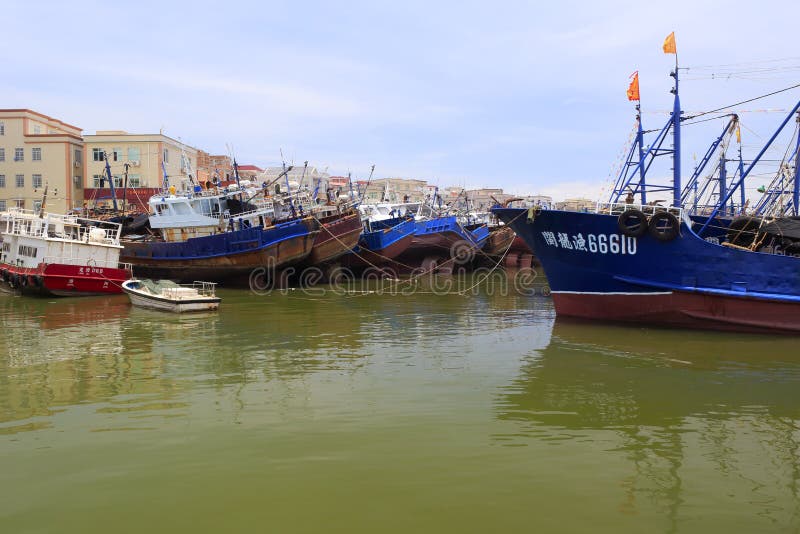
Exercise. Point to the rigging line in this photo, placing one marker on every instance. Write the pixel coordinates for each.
(743, 63)
(742, 102)
(709, 119)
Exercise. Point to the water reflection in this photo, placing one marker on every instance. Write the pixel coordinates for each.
(686, 413)
(101, 351)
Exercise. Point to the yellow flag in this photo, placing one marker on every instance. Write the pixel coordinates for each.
(669, 44)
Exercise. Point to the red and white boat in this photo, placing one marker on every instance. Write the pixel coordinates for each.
(59, 255)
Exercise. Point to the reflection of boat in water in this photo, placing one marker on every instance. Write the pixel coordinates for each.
(665, 414)
(606, 375)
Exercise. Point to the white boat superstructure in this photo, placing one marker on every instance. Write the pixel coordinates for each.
(197, 212)
(30, 239)
(388, 210)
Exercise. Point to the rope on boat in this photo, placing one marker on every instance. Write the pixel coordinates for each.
(414, 278)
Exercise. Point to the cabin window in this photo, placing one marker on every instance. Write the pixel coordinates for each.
(27, 251)
(161, 208)
(182, 208)
(6, 246)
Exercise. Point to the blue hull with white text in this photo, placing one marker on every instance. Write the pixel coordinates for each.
(596, 272)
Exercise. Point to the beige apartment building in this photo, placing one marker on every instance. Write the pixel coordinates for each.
(38, 151)
(212, 167)
(144, 154)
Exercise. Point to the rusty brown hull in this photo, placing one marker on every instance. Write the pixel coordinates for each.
(385, 256)
(338, 235)
(230, 266)
(499, 241)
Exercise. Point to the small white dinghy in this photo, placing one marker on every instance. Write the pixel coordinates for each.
(168, 296)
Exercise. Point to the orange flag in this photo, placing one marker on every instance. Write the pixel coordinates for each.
(669, 44)
(633, 88)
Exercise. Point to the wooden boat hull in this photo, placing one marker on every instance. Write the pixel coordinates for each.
(387, 240)
(499, 241)
(60, 280)
(338, 235)
(148, 259)
(385, 256)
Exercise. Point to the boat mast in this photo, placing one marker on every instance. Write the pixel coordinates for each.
(125, 190)
(676, 137)
(640, 145)
(111, 182)
(796, 188)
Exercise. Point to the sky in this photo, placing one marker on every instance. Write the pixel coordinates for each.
(527, 96)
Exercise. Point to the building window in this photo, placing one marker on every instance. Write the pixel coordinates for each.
(117, 154)
(166, 156)
(2, 128)
(2, 154)
(36, 154)
(78, 156)
(19, 203)
(37, 205)
(37, 181)
(117, 180)
(133, 154)
(97, 154)
(134, 180)
(99, 180)
(19, 154)
(2, 180)
(78, 182)
(20, 180)
(3, 208)
(37, 129)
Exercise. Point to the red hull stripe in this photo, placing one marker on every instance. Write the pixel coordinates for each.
(690, 310)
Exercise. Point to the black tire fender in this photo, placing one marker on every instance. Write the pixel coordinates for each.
(627, 223)
(664, 226)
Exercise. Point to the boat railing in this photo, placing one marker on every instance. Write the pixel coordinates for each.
(90, 263)
(206, 289)
(62, 227)
(616, 208)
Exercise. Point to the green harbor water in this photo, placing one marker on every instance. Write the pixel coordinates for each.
(417, 412)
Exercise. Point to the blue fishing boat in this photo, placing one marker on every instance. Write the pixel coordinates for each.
(381, 242)
(219, 234)
(639, 262)
(442, 242)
